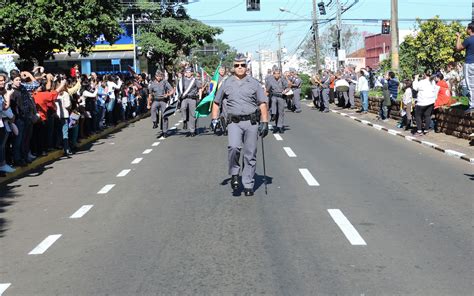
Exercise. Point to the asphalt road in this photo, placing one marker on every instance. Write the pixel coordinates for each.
(349, 211)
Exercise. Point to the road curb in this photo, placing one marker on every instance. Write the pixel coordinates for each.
(57, 154)
(434, 146)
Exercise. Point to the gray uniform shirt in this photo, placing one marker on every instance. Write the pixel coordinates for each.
(296, 81)
(325, 81)
(243, 95)
(274, 86)
(194, 91)
(159, 89)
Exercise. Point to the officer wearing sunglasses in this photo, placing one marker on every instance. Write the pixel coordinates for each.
(247, 118)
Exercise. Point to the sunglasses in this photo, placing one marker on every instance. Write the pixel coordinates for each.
(240, 65)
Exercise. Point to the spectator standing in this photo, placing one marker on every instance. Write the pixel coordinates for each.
(74, 72)
(468, 45)
(363, 88)
(427, 93)
(407, 103)
(4, 125)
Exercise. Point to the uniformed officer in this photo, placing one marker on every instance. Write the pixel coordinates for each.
(316, 91)
(276, 87)
(159, 92)
(246, 107)
(296, 87)
(352, 78)
(325, 82)
(191, 87)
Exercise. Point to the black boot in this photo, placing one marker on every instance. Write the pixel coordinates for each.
(234, 182)
(248, 192)
(67, 151)
(155, 124)
(185, 125)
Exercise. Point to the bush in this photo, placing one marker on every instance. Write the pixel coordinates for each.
(305, 86)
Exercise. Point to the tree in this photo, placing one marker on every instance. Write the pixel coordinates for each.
(351, 39)
(171, 32)
(36, 29)
(432, 47)
(210, 60)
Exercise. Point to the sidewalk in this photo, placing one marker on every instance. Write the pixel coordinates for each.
(449, 145)
(57, 154)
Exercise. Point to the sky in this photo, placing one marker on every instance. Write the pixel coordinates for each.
(249, 37)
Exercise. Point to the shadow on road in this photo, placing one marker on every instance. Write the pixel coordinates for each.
(7, 196)
(259, 182)
(470, 176)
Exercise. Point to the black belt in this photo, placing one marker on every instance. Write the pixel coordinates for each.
(277, 95)
(254, 117)
(192, 98)
(159, 99)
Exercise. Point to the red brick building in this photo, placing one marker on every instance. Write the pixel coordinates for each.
(375, 45)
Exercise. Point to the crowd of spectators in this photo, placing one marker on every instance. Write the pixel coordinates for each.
(41, 112)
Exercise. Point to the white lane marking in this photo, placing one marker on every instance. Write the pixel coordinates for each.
(180, 121)
(278, 137)
(409, 138)
(123, 173)
(45, 244)
(173, 128)
(289, 152)
(112, 143)
(308, 177)
(365, 122)
(377, 127)
(4, 287)
(147, 151)
(346, 227)
(453, 153)
(81, 212)
(429, 144)
(155, 144)
(137, 160)
(393, 132)
(106, 189)
(162, 138)
(176, 124)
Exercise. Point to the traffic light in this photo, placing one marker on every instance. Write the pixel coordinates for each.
(322, 8)
(253, 5)
(385, 27)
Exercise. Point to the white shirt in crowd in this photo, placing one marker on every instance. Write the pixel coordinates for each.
(427, 91)
(362, 84)
(111, 87)
(62, 104)
(407, 96)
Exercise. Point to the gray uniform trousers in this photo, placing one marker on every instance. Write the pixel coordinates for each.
(325, 101)
(297, 98)
(273, 105)
(352, 88)
(189, 105)
(280, 104)
(159, 106)
(243, 134)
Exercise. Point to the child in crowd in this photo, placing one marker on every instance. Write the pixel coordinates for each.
(407, 105)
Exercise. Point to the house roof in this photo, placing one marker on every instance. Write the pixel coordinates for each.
(360, 53)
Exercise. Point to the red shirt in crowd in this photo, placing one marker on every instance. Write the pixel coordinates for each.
(45, 100)
(444, 95)
(73, 72)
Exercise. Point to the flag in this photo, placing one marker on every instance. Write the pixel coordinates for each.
(171, 106)
(205, 105)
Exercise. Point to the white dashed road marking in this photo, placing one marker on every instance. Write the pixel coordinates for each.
(346, 227)
(278, 137)
(147, 151)
(45, 244)
(123, 173)
(137, 160)
(4, 287)
(155, 144)
(289, 152)
(81, 212)
(106, 189)
(308, 177)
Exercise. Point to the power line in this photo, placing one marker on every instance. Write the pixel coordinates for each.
(221, 12)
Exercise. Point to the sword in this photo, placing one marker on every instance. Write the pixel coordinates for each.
(264, 168)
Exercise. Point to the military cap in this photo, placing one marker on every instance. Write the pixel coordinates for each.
(240, 57)
(158, 73)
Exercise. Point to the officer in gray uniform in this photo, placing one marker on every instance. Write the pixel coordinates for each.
(352, 79)
(296, 87)
(276, 86)
(325, 82)
(246, 107)
(191, 87)
(159, 92)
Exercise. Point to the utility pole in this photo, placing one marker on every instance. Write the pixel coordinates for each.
(279, 45)
(338, 26)
(134, 45)
(260, 63)
(472, 11)
(394, 36)
(316, 37)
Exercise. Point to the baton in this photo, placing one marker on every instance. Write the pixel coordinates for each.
(264, 169)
